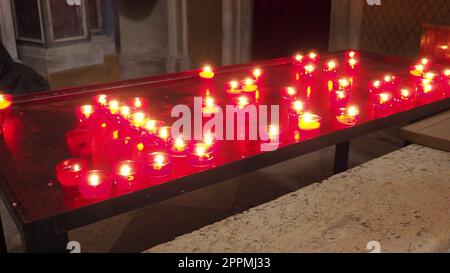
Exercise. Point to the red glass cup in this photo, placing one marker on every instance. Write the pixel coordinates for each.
(201, 155)
(69, 172)
(79, 142)
(126, 174)
(95, 184)
(157, 164)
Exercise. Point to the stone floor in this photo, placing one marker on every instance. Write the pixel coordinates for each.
(398, 203)
(151, 226)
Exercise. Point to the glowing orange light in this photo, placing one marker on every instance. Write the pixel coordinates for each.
(249, 85)
(291, 91)
(340, 94)
(352, 54)
(208, 139)
(138, 119)
(344, 83)
(389, 78)
(125, 170)
(5, 101)
(309, 121)
(125, 111)
(447, 72)
(159, 161)
(76, 168)
(207, 72)
(331, 65)
(427, 88)
(405, 93)
(424, 61)
(298, 106)
(179, 144)
(274, 132)
(257, 73)
(298, 58)
(164, 133)
(137, 103)
(376, 84)
(384, 98)
(312, 55)
(309, 69)
(87, 110)
(430, 76)
(113, 106)
(352, 62)
(348, 116)
(102, 99)
(94, 180)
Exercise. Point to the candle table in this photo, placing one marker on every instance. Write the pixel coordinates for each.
(34, 138)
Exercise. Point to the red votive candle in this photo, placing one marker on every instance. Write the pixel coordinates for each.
(100, 101)
(178, 146)
(233, 88)
(157, 164)
(69, 172)
(95, 184)
(139, 104)
(288, 93)
(84, 114)
(309, 122)
(249, 85)
(298, 59)
(202, 154)
(125, 174)
(79, 142)
(206, 72)
(348, 116)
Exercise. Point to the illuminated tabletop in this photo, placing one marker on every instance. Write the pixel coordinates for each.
(34, 139)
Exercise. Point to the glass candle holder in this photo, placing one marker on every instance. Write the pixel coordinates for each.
(79, 142)
(179, 146)
(296, 108)
(100, 101)
(6, 101)
(125, 174)
(69, 172)
(206, 72)
(289, 93)
(210, 106)
(157, 164)
(298, 59)
(309, 122)
(139, 104)
(84, 114)
(138, 119)
(95, 184)
(233, 88)
(249, 85)
(257, 73)
(348, 116)
(201, 155)
(119, 150)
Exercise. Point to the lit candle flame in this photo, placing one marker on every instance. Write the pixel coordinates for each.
(405, 93)
(138, 119)
(291, 91)
(113, 106)
(352, 62)
(312, 55)
(424, 61)
(102, 99)
(125, 111)
(94, 180)
(353, 111)
(331, 65)
(125, 170)
(309, 69)
(343, 83)
(298, 106)
(377, 84)
(179, 143)
(298, 57)
(384, 97)
(352, 54)
(87, 110)
(4, 103)
(257, 73)
(76, 168)
(447, 72)
(208, 139)
(164, 133)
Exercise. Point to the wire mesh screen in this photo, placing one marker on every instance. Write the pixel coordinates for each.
(395, 26)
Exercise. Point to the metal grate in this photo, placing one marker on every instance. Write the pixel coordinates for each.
(395, 27)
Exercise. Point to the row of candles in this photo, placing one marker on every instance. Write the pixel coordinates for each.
(139, 148)
(126, 146)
